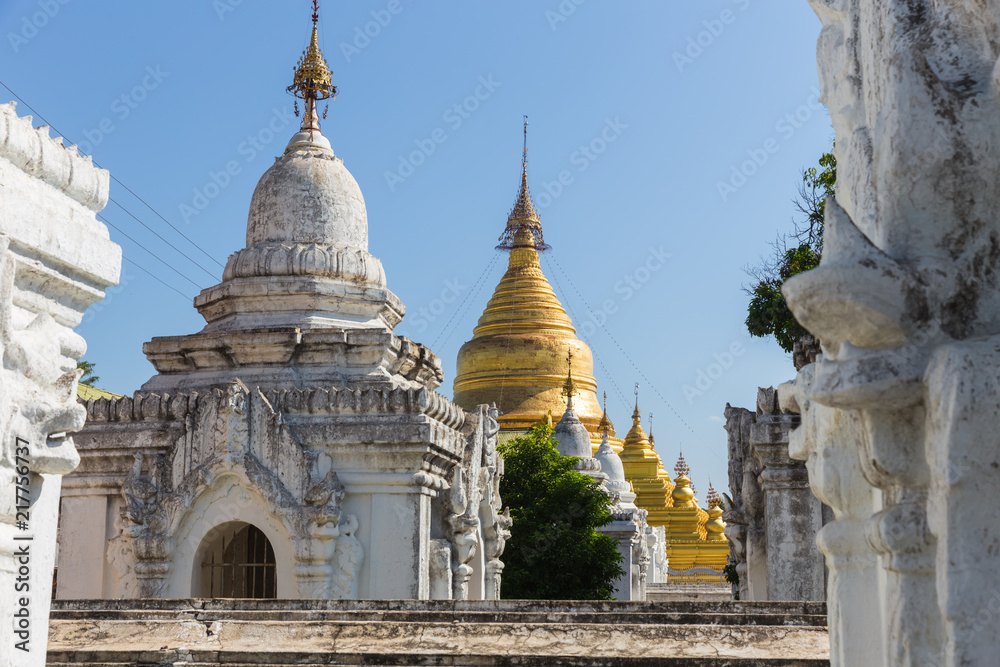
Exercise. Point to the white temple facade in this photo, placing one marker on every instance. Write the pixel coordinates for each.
(295, 447)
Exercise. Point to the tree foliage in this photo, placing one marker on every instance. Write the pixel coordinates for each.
(767, 312)
(88, 379)
(554, 551)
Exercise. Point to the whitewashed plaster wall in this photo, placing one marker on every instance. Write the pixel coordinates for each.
(900, 413)
(56, 259)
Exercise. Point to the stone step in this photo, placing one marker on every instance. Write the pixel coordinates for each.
(333, 616)
(450, 606)
(412, 633)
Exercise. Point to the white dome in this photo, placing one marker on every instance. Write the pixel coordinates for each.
(571, 436)
(611, 465)
(308, 196)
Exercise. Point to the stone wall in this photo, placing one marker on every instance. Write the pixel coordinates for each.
(772, 518)
(56, 259)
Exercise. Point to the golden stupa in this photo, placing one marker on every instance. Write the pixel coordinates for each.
(517, 355)
(644, 469)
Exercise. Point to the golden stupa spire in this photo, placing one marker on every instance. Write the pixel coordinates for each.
(712, 498)
(313, 81)
(606, 427)
(516, 354)
(524, 228)
(682, 467)
(569, 389)
(636, 415)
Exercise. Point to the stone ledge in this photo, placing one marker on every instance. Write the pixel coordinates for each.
(286, 642)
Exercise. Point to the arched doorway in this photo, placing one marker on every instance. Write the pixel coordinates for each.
(236, 561)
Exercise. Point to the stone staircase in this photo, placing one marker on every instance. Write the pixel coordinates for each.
(401, 633)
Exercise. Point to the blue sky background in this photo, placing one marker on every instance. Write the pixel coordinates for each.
(686, 113)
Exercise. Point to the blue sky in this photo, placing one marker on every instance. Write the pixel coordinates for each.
(666, 141)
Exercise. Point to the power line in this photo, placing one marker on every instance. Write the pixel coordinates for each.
(587, 340)
(622, 350)
(469, 299)
(211, 275)
(138, 266)
(161, 218)
(115, 179)
(154, 255)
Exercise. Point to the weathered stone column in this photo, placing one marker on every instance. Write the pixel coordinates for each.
(906, 302)
(792, 514)
(56, 259)
(744, 511)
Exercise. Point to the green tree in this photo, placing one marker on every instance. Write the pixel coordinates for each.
(88, 378)
(767, 312)
(554, 551)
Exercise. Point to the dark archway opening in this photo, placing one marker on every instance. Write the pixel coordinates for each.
(238, 563)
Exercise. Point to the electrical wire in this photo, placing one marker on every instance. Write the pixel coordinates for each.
(129, 190)
(154, 255)
(139, 266)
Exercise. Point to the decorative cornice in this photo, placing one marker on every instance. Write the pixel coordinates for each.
(165, 407)
(302, 259)
(37, 154)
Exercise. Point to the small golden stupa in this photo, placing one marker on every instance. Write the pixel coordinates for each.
(517, 355)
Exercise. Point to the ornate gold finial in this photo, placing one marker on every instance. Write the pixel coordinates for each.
(569, 389)
(524, 228)
(712, 498)
(313, 81)
(636, 415)
(682, 467)
(606, 426)
(651, 439)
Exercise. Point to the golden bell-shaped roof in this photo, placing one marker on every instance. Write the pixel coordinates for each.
(683, 494)
(644, 469)
(517, 355)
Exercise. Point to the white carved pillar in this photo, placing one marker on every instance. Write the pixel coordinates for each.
(56, 259)
(906, 302)
(827, 440)
(400, 544)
